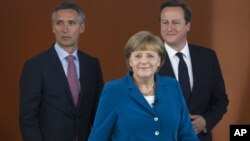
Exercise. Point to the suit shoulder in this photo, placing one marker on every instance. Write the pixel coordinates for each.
(40, 57)
(202, 51)
(86, 56)
(112, 87)
(115, 84)
(200, 48)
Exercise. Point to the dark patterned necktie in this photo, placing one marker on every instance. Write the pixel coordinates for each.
(73, 79)
(184, 77)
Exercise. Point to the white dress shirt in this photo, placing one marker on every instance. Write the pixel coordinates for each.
(174, 60)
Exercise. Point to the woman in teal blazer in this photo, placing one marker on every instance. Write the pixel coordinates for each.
(143, 106)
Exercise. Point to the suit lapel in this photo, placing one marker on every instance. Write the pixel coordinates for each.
(83, 76)
(195, 59)
(59, 69)
(166, 68)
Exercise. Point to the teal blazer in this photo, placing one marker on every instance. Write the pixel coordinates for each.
(123, 114)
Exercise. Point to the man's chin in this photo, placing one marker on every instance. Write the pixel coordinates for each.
(170, 41)
(66, 45)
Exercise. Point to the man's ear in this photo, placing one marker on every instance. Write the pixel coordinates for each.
(188, 26)
(82, 28)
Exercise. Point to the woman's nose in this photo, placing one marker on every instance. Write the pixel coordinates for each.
(144, 60)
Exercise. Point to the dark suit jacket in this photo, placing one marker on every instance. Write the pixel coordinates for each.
(47, 112)
(208, 97)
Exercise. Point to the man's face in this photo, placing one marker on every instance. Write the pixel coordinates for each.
(174, 28)
(67, 28)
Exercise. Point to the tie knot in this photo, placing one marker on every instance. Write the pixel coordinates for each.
(70, 58)
(180, 55)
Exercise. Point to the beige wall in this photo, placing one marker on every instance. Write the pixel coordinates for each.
(231, 40)
(223, 25)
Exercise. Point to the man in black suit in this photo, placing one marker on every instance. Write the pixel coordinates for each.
(48, 110)
(207, 100)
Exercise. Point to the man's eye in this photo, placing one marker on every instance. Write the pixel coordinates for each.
(175, 23)
(59, 23)
(71, 23)
(164, 22)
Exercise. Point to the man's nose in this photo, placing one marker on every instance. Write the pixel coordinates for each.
(169, 27)
(65, 28)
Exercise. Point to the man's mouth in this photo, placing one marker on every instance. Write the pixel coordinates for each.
(65, 37)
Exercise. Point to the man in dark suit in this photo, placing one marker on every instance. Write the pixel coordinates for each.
(206, 98)
(58, 101)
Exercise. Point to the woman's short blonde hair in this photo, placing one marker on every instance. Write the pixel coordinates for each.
(144, 40)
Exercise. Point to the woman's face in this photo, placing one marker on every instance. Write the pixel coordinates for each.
(144, 63)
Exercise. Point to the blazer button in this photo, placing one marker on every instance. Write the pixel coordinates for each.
(157, 133)
(156, 118)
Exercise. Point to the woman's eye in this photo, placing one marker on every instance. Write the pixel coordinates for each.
(150, 56)
(137, 56)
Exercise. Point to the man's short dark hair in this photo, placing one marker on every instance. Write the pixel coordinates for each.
(178, 3)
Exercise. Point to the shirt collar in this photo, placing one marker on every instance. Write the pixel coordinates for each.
(63, 54)
(171, 52)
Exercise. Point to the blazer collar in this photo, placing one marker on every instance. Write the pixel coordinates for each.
(135, 93)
